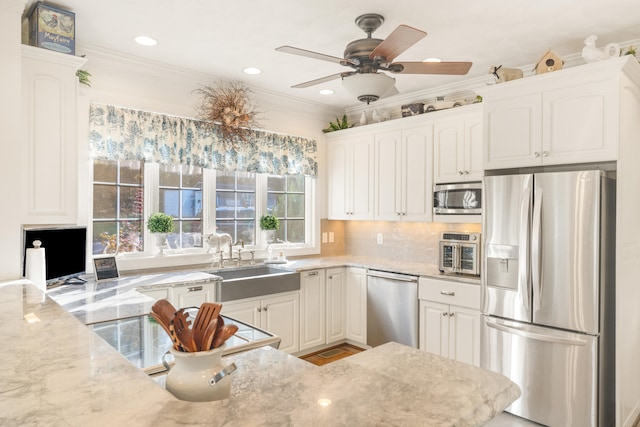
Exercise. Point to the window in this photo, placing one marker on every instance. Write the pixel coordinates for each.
(236, 205)
(201, 201)
(118, 207)
(180, 195)
(286, 201)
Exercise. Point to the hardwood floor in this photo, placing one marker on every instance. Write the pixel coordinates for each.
(331, 354)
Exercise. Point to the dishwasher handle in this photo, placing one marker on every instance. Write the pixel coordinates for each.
(392, 276)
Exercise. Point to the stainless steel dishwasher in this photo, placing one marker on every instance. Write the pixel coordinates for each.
(392, 308)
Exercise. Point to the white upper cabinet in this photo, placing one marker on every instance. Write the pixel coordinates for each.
(350, 186)
(50, 148)
(568, 116)
(457, 143)
(403, 184)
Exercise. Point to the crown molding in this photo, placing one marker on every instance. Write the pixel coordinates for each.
(148, 68)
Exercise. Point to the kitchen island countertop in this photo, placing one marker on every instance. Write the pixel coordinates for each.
(57, 372)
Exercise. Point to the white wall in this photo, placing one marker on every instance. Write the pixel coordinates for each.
(10, 101)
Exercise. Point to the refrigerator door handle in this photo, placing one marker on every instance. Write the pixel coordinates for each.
(524, 282)
(535, 335)
(536, 249)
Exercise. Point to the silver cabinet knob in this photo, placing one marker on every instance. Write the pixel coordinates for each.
(451, 314)
(264, 308)
(536, 154)
(459, 172)
(259, 309)
(545, 154)
(466, 172)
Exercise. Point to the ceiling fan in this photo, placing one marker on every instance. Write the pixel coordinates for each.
(368, 56)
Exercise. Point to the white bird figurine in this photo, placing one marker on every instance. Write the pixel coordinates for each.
(377, 117)
(591, 53)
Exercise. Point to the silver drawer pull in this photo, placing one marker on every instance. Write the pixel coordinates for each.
(448, 293)
(313, 273)
(194, 288)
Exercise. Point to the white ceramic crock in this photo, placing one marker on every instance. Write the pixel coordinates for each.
(193, 377)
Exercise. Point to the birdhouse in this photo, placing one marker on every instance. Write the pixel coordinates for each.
(550, 61)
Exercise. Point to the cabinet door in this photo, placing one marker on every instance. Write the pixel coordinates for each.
(513, 132)
(192, 295)
(473, 166)
(50, 149)
(388, 182)
(336, 283)
(357, 304)
(361, 176)
(448, 148)
(247, 311)
(580, 123)
(338, 179)
(416, 174)
(312, 309)
(464, 335)
(281, 316)
(434, 327)
(156, 294)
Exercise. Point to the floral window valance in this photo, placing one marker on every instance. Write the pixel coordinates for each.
(117, 133)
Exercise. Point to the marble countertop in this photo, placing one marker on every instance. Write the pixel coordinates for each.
(57, 372)
(115, 299)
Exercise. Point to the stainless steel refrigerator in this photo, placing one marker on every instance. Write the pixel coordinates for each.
(548, 287)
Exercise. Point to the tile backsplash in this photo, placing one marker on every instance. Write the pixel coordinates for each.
(403, 241)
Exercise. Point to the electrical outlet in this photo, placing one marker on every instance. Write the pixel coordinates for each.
(324, 237)
(331, 237)
(379, 238)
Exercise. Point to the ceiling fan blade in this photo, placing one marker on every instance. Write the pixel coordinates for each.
(309, 54)
(457, 68)
(401, 39)
(321, 80)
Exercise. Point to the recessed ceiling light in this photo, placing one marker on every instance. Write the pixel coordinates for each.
(146, 41)
(432, 60)
(325, 92)
(324, 402)
(252, 70)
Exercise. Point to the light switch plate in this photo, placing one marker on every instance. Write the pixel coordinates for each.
(380, 238)
(331, 237)
(324, 237)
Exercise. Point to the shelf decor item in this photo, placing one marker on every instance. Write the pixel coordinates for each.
(338, 125)
(160, 224)
(229, 107)
(52, 28)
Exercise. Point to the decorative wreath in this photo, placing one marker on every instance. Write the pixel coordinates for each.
(229, 106)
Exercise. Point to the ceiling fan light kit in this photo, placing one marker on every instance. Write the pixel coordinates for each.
(369, 87)
(368, 56)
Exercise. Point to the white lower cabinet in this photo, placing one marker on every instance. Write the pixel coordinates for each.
(322, 307)
(313, 309)
(356, 300)
(278, 314)
(336, 310)
(450, 319)
(183, 295)
(192, 295)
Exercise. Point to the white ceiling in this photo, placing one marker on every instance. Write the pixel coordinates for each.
(223, 37)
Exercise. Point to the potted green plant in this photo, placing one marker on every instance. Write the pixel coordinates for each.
(160, 224)
(269, 224)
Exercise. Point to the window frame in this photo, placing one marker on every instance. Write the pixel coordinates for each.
(201, 255)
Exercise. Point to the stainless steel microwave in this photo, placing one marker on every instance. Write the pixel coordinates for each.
(458, 199)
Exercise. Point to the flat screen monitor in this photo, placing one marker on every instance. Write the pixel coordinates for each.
(65, 251)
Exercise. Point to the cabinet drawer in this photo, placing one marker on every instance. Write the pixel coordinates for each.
(449, 292)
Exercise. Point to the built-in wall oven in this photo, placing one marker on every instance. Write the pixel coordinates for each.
(458, 199)
(459, 253)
